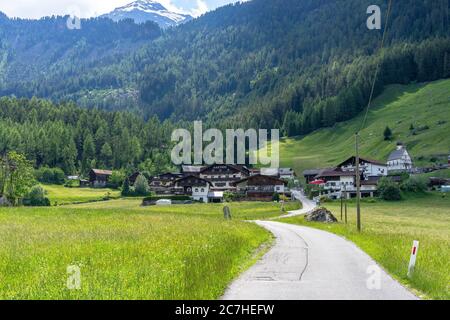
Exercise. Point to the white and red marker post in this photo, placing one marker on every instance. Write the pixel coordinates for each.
(412, 259)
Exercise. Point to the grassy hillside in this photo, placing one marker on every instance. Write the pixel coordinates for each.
(423, 105)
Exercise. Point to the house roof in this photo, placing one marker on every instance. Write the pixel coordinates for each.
(311, 172)
(352, 160)
(335, 173)
(261, 175)
(396, 154)
(286, 170)
(269, 171)
(240, 168)
(193, 177)
(192, 169)
(102, 172)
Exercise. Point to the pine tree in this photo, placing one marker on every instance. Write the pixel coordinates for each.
(387, 134)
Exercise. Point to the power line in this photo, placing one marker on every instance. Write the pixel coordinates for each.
(388, 14)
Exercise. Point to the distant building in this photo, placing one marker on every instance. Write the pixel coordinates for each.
(400, 160)
(164, 183)
(260, 187)
(223, 176)
(99, 178)
(368, 167)
(191, 170)
(196, 187)
(286, 173)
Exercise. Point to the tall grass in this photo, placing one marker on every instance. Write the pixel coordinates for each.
(122, 253)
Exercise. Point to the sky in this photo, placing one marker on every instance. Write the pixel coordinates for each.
(34, 9)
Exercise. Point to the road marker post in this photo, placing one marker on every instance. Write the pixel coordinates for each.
(412, 259)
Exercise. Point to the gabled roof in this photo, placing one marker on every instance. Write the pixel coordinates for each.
(335, 173)
(263, 176)
(192, 169)
(193, 177)
(102, 172)
(352, 160)
(240, 168)
(396, 154)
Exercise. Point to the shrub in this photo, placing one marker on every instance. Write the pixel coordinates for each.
(117, 179)
(276, 197)
(141, 186)
(50, 175)
(389, 190)
(126, 187)
(36, 198)
(228, 196)
(387, 134)
(414, 184)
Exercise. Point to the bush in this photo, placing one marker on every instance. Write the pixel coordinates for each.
(141, 186)
(414, 184)
(117, 179)
(50, 175)
(389, 190)
(276, 197)
(36, 198)
(126, 188)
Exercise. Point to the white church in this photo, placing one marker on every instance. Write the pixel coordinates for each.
(400, 160)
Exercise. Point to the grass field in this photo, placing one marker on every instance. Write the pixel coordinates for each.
(126, 251)
(389, 229)
(239, 210)
(60, 195)
(398, 107)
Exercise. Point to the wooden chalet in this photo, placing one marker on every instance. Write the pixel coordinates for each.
(99, 178)
(260, 187)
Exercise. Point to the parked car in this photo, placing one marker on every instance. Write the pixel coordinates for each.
(164, 202)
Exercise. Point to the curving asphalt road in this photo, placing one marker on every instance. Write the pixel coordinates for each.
(310, 264)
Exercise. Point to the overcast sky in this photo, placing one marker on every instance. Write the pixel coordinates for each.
(90, 8)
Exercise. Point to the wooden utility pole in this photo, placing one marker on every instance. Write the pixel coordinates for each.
(358, 186)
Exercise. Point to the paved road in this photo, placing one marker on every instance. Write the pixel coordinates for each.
(308, 205)
(310, 264)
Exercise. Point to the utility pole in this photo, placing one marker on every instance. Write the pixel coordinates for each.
(358, 186)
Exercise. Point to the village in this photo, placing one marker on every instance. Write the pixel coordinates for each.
(211, 184)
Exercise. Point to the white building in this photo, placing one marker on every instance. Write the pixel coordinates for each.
(400, 160)
(368, 167)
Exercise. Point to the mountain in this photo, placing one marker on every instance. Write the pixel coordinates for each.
(148, 10)
(297, 65)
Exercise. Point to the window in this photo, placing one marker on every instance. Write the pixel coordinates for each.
(196, 189)
(203, 190)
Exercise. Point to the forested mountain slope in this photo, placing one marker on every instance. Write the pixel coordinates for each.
(47, 59)
(293, 64)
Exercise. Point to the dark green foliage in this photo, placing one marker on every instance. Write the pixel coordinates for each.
(126, 188)
(415, 185)
(296, 65)
(36, 198)
(141, 187)
(387, 134)
(50, 175)
(276, 197)
(389, 190)
(75, 139)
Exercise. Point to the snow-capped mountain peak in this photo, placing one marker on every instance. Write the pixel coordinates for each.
(148, 10)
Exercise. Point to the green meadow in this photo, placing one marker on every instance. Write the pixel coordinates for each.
(389, 229)
(125, 251)
(425, 106)
(60, 195)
